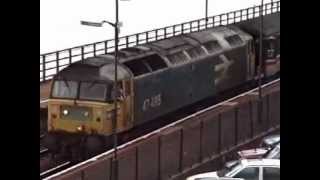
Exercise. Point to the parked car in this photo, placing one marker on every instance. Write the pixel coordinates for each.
(206, 176)
(252, 153)
(273, 153)
(247, 169)
(256, 153)
(270, 141)
(266, 146)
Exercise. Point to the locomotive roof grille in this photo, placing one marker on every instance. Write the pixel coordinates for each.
(135, 50)
(212, 46)
(196, 52)
(234, 40)
(146, 65)
(178, 57)
(95, 61)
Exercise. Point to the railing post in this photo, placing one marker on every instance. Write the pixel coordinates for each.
(182, 28)
(106, 47)
(127, 41)
(137, 36)
(82, 53)
(70, 56)
(94, 49)
(147, 36)
(57, 62)
(44, 68)
(157, 34)
(228, 18)
(165, 32)
(214, 21)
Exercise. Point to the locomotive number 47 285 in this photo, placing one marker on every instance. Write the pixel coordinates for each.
(152, 102)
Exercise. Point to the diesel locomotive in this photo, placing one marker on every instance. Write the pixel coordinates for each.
(153, 79)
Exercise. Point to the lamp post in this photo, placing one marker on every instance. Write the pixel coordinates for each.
(261, 49)
(206, 9)
(116, 27)
(114, 120)
(206, 13)
(260, 61)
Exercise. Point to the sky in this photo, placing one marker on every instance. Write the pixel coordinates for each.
(60, 19)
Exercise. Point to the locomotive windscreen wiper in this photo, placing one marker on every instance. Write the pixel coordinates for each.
(66, 83)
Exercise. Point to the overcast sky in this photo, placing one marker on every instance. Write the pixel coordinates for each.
(60, 19)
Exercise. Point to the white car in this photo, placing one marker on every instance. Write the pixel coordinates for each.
(206, 176)
(247, 169)
(270, 141)
(273, 153)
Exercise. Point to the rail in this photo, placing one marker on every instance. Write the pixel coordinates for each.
(52, 63)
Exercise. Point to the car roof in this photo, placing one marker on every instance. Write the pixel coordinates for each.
(272, 139)
(260, 162)
(204, 175)
(211, 175)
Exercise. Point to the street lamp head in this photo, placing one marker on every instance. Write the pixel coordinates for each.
(94, 24)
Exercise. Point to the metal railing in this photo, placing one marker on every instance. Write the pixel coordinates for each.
(52, 63)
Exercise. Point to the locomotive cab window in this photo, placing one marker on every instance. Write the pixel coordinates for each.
(137, 67)
(234, 40)
(93, 91)
(65, 89)
(270, 48)
(155, 62)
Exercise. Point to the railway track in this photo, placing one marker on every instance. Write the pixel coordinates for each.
(53, 170)
(43, 151)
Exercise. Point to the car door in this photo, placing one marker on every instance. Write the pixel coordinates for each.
(271, 173)
(249, 173)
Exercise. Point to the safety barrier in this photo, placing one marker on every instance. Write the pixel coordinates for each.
(52, 63)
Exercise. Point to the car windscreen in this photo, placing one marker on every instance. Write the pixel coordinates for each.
(93, 91)
(229, 166)
(65, 89)
(274, 153)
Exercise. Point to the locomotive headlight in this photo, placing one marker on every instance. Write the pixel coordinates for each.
(80, 128)
(65, 112)
(86, 113)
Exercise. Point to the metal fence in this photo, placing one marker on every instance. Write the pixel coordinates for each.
(182, 146)
(52, 63)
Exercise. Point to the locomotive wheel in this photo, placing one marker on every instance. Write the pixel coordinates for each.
(93, 146)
